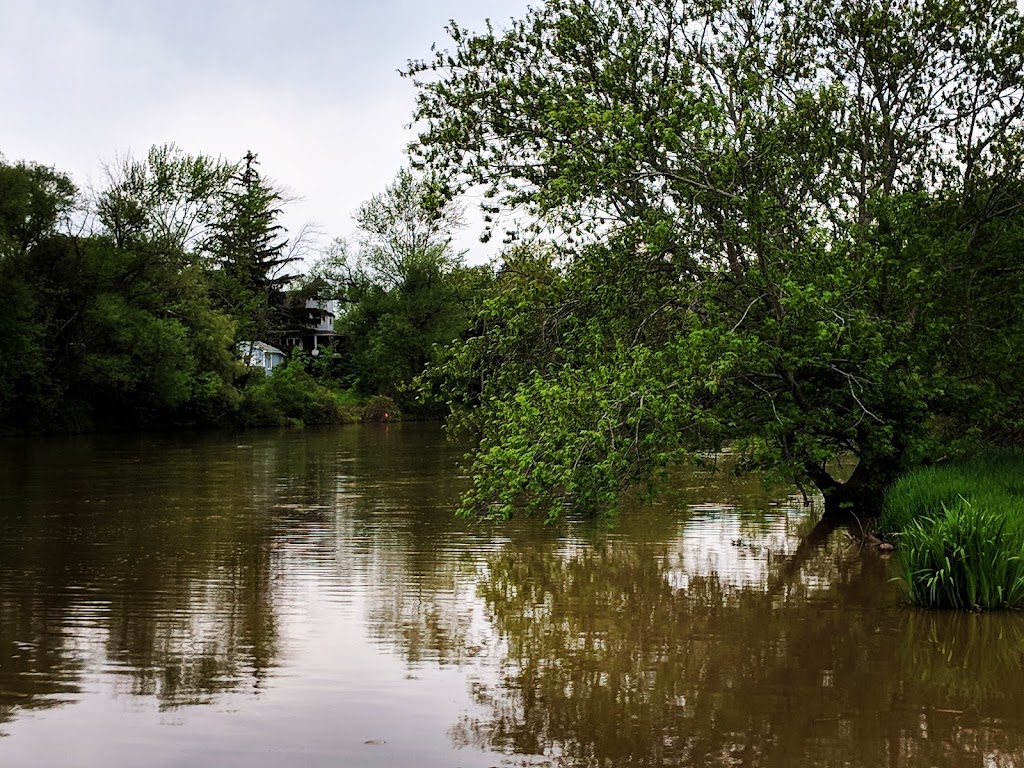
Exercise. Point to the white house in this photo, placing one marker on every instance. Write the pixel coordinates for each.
(312, 325)
(259, 355)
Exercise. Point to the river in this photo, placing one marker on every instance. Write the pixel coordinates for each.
(306, 598)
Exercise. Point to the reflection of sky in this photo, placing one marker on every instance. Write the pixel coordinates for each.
(720, 541)
(371, 604)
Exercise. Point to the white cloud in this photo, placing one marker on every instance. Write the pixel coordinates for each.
(311, 86)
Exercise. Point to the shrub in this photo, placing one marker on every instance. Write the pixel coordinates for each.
(966, 558)
(259, 408)
(290, 396)
(381, 409)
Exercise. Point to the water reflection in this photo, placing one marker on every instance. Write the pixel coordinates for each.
(318, 583)
(969, 661)
(165, 567)
(142, 562)
(610, 661)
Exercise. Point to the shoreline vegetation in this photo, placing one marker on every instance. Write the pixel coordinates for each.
(279, 401)
(291, 396)
(960, 532)
(131, 305)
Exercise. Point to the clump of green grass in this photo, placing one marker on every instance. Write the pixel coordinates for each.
(966, 558)
(993, 481)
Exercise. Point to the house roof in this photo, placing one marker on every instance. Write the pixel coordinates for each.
(262, 346)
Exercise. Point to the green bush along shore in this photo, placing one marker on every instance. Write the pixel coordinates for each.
(961, 532)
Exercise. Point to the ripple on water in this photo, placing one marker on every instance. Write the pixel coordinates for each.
(310, 599)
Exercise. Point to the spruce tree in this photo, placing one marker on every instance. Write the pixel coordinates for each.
(251, 249)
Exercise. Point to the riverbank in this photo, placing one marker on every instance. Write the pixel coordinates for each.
(290, 397)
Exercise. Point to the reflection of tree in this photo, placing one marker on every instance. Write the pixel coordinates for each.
(607, 664)
(162, 561)
(969, 660)
(419, 562)
(602, 659)
(36, 668)
(148, 562)
(193, 635)
(593, 645)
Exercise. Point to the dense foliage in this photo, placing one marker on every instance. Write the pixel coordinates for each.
(406, 293)
(793, 226)
(132, 308)
(109, 324)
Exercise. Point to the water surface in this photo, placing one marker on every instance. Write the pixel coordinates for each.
(307, 598)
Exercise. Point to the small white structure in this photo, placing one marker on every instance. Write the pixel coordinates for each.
(259, 355)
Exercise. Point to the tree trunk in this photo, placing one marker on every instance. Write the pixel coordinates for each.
(862, 495)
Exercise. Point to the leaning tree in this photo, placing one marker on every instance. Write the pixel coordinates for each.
(789, 226)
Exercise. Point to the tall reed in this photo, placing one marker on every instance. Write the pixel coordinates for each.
(967, 557)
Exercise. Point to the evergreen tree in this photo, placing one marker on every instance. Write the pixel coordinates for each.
(252, 251)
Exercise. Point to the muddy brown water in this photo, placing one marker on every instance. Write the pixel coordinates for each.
(305, 598)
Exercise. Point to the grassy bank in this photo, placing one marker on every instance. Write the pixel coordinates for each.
(960, 529)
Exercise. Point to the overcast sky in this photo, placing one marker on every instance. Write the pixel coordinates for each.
(310, 85)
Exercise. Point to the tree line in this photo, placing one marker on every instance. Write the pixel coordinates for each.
(125, 306)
